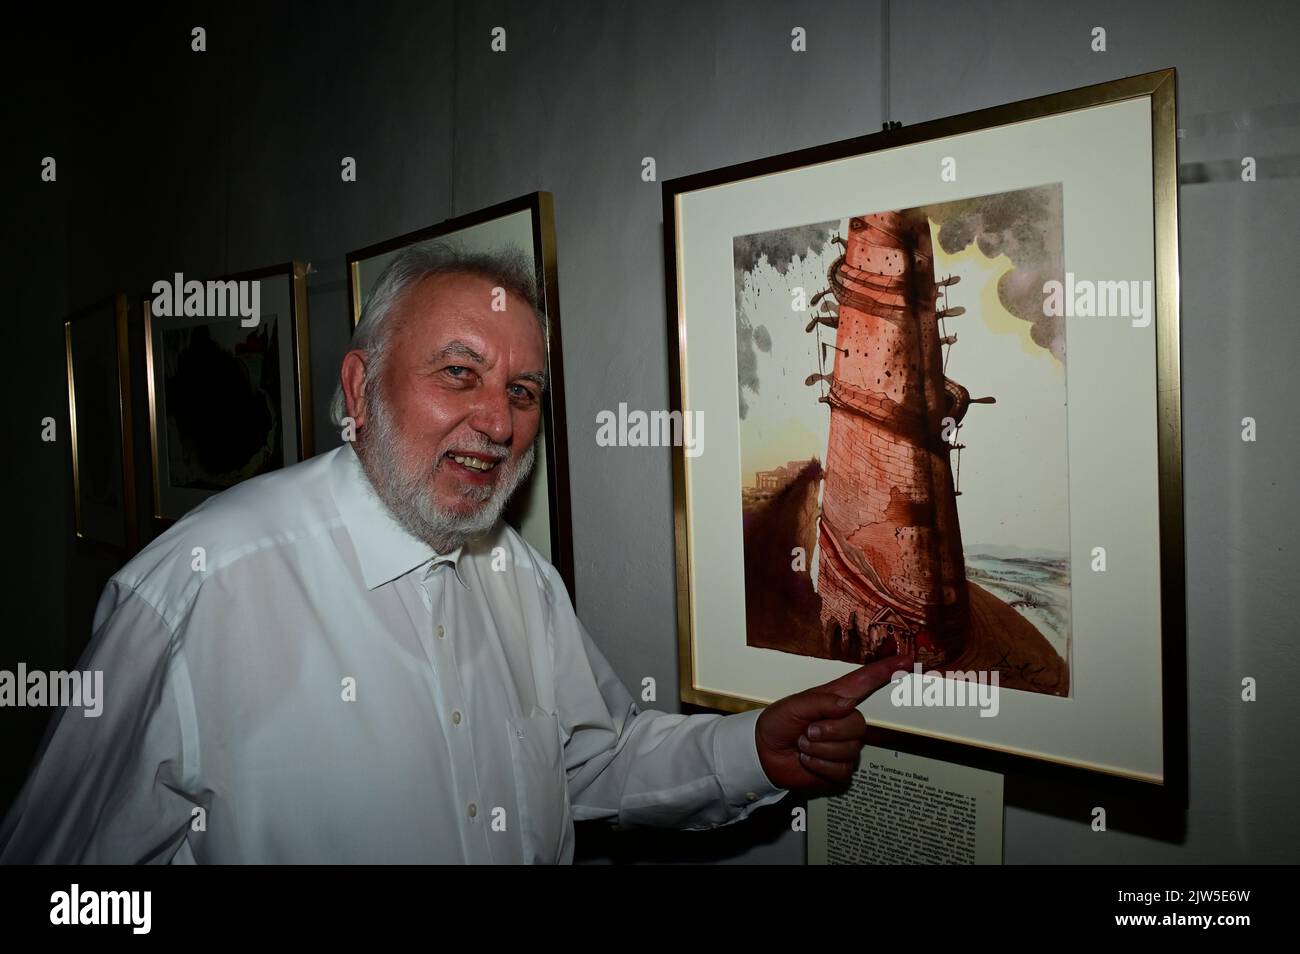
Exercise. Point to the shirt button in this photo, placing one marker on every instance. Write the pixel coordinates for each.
(473, 810)
(440, 631)
(751, 797)
(455, 718)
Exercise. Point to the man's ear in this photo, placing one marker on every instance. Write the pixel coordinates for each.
(353, 378)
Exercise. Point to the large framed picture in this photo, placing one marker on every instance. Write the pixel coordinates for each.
(229, 375)
(940, 367)
(96, 342)
(540, 508)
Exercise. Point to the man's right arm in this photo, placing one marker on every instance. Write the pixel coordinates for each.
(112, 788)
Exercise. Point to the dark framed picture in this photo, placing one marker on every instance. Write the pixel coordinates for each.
(540, 509)
(229, 378)
(96, 341)
(940, 367)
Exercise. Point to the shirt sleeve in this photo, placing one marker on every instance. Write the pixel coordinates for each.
(108, 788)
(642, 766)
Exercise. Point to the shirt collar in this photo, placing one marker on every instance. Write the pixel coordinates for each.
(385, 549)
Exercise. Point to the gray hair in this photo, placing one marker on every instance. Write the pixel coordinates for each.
(508, 268)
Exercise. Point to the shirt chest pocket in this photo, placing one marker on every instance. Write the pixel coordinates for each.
(545, 821)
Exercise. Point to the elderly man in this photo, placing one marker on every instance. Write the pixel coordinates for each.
(355, 660)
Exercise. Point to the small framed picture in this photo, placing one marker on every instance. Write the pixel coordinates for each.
(540, 508)
(941, 370)
(99, 410)
(229, 378)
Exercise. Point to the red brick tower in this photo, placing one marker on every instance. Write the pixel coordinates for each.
(891, 569)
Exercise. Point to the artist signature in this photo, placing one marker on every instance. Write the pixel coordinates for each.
(1025, 672)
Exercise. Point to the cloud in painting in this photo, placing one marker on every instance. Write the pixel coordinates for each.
(778, 248)
(1026, 226)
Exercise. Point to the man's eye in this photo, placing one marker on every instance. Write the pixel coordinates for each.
(457, 371)
(523, 393)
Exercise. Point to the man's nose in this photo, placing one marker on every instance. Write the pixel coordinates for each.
(492, 416)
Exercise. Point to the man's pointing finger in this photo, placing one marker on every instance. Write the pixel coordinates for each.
(865, 680)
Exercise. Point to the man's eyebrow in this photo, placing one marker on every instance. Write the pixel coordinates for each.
(537, 377)
(458, 349)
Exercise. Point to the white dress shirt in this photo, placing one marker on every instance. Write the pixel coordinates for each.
(289, 676)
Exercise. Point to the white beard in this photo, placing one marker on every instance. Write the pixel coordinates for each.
(405, 488)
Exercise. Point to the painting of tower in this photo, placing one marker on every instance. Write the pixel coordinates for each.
(851, 436)
(891, 568)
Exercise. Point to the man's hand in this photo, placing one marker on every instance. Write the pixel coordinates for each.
(809, 742)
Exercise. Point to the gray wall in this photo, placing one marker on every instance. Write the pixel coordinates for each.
(230, 160)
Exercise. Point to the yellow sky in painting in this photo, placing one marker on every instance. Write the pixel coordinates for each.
(1013, 474)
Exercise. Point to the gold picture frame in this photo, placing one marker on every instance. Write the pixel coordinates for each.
(104, 505)
(294, 441)
(999, 150)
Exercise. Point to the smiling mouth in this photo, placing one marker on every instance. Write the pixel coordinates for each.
(478, 464)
